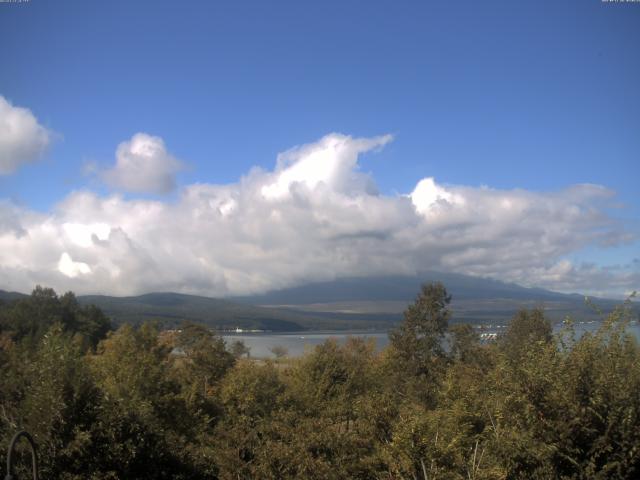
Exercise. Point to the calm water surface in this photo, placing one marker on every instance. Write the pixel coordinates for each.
(298, 343)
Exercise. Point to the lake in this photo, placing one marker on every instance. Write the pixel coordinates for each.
(298, 343)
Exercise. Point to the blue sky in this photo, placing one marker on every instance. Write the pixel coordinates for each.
(529, 95)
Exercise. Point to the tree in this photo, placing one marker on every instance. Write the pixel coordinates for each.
(527, 329)
(143, 418)
(59, 405)
(206, 357)
(417, 352)
(279, 351)
(464, 343)
(28, 319)
(239, 349)
(249, 394)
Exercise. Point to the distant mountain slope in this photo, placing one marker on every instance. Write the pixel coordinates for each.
(172, 308)
(400, 288)
(475, 299)
(350, 303)
(10, 296)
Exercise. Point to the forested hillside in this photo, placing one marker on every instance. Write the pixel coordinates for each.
(104, 404)
(359, 303)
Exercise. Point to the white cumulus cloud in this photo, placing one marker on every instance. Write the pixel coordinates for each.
(330, 162)
(22, 138)
(143, 165)
(72, 269)
(315, 217)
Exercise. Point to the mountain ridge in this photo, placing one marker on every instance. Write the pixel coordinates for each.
(347, 303)
(400, 287)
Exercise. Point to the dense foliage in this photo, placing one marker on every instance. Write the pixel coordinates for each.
(140, 403)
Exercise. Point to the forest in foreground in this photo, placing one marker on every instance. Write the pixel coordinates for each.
(121, 404)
